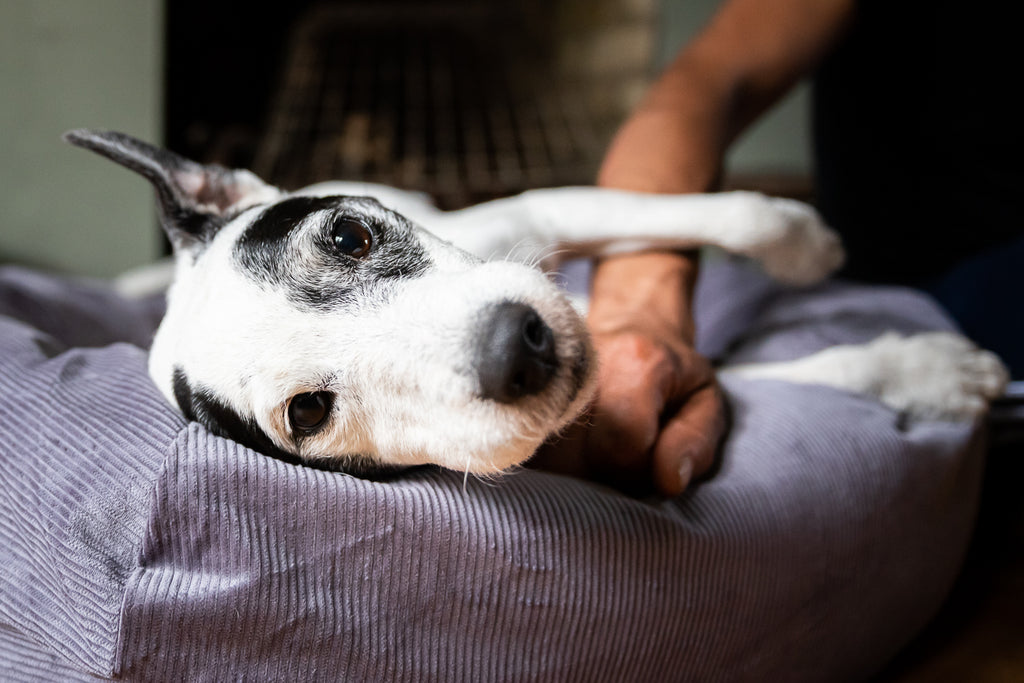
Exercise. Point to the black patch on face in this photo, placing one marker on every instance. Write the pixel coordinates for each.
(326, 279)
(274, 226)
(200, 405)
(202, 227)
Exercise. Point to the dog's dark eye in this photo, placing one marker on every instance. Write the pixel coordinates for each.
(307, 412)
(351, 237)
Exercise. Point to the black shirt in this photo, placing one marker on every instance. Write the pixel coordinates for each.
(917, 132)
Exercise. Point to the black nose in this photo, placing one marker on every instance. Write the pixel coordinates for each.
(516, 353)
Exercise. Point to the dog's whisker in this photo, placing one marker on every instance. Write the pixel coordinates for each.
(529, 254)
(549, 253)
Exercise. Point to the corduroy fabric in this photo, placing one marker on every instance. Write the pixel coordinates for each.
(135, 545)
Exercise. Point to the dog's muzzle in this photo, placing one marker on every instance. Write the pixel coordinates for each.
(515, 353)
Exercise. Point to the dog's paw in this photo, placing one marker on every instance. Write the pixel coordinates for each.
(930, 376)
(787, 237)
(937, 375)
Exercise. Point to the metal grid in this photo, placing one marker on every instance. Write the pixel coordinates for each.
(446, 101)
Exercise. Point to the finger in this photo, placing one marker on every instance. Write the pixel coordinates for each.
(688, 441)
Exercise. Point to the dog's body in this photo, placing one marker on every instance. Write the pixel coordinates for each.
(323, 327)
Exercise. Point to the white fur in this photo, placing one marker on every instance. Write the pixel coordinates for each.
(399, 366)
(936, 375)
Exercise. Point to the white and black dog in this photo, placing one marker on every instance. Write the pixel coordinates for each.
(330, 329)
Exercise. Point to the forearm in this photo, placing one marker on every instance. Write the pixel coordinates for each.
(672, 143)
(749, 55)
(674, 140)
(654, 289)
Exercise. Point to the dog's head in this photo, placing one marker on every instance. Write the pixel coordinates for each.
(334, 331)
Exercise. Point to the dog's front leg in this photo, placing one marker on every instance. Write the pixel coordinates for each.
(545, 226)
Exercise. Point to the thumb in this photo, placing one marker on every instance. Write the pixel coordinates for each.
(688, 441)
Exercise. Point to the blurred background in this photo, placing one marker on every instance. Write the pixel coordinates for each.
(465, 99)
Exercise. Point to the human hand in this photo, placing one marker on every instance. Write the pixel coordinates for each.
(658, 416)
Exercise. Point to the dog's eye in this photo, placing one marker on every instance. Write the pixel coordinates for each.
(351, 237)
(307, 412)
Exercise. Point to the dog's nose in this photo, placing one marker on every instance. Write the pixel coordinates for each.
(516, 353)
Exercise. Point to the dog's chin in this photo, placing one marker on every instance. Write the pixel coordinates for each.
(509, 435)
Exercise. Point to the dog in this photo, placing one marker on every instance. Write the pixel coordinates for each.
(329, 328)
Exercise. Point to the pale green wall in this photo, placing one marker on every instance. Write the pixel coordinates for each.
(68, 64)
(780, 141)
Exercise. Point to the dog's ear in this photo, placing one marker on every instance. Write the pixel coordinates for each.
(195, 200)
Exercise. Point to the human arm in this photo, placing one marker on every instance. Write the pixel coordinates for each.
(658, 414)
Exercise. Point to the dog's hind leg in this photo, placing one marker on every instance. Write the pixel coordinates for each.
(934, 375)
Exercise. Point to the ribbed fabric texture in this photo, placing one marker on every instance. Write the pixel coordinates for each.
(81, 439)
(135, 545)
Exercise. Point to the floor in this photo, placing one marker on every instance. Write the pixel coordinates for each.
(979, 634)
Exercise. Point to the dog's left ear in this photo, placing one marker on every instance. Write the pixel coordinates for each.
(195, 200)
